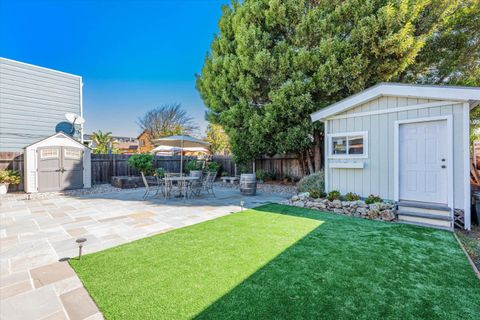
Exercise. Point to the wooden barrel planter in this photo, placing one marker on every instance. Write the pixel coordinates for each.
(248, 184)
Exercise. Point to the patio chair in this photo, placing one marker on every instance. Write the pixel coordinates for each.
(173, 186)
(207, 183)
(150, 189)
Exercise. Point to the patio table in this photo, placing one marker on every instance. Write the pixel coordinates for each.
(184, 179)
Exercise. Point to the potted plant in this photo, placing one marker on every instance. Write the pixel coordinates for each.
(143, 162)
(213, 166)
(8, 177)
(261, 175)
(193, 168)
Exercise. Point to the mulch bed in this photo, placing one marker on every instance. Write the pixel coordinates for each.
(471, 242)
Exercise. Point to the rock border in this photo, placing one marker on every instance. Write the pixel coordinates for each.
(383, 211)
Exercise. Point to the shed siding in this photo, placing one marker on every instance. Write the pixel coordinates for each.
(33, 100)
(377, 177)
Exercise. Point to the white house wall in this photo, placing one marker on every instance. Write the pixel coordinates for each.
(33, 100)
(377, 176)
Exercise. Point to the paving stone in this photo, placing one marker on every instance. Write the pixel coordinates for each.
(12, 278)
(66, 285)
(51, 273)
(14, 289)
(78, 304)
(35, 304)
(60, 315)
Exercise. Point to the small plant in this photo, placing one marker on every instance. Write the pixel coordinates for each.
(213, 166)
(333, 195)
(373, 199)
(225, 174)
(143, 162)
(271, 175)
(287, 178)
(10, 176)
(192, 165)
(310, 182)
(315, 193)
(160, 172)
(351, 196)
(261, 174)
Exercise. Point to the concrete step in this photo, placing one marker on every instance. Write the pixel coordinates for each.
(427, 225)
(424, 220)
(425, 215)
(424, 208)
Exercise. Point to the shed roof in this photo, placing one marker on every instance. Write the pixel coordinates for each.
(453, 93)
(56, 135)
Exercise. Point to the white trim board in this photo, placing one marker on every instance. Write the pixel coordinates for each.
(396, 157)
(466, 165)
(461, 94)
(392, 110)
(364, 134)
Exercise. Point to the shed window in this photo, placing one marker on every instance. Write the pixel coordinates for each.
(49, 153)
(348, 145)
(73, 153)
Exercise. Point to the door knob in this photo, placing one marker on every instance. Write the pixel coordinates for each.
(443, 160)
(443, 167)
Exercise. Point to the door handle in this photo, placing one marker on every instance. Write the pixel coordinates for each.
(443, 160)
(443, 167)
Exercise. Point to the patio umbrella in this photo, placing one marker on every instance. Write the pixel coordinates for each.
(182, 142)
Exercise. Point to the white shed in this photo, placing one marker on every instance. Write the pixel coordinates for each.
(406, 143)
(57, 163)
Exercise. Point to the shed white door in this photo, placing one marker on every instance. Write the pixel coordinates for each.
(423, 161)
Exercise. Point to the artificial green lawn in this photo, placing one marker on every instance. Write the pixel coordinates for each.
(281, 262)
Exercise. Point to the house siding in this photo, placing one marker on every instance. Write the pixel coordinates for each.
(33, 101)
(377, 176)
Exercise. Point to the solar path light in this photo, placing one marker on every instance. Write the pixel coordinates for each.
(80, 242)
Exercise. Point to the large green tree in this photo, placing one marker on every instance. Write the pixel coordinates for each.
(274, 62)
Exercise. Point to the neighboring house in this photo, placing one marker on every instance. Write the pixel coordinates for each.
(407, 143)
(33, 103)
(145, 142)
(126, 145)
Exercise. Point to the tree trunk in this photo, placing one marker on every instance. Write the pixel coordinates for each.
(309, 162)
(301, 161)
(317, 150)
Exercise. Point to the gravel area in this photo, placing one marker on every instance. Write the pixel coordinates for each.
(283, 189)
(96, 189)
(471, 242)
(107, 188)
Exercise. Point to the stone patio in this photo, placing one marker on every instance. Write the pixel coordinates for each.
(36, 234)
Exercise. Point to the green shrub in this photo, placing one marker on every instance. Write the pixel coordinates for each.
(333, 195)
(272, 175)
(10, 176)
(313, 181)
(225, 174)
(287, 178)
(261, 174)
(143, 162)
(213, 166)
(160, 172)
(315, 193)
(352, 197)
(192, 165)
(373, 199)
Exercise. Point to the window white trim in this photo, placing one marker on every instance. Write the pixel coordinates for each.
(346, 135)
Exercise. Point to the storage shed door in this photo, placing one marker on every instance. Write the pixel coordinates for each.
(59, 168)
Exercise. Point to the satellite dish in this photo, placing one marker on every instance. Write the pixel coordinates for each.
(74, 118)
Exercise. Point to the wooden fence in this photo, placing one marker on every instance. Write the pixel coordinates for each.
(105, 166)
(281, 165)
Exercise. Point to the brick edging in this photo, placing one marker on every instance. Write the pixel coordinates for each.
(474, 267)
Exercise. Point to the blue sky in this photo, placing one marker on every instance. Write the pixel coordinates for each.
(132, 55)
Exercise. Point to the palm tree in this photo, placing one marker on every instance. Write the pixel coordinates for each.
(103, 141)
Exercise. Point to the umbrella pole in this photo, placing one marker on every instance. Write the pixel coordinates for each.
(181, 159)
